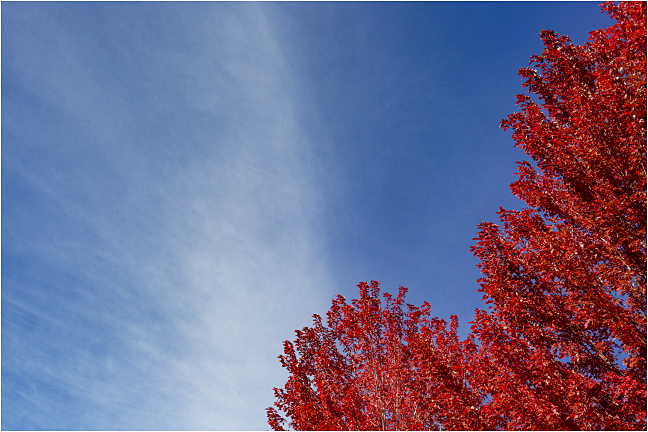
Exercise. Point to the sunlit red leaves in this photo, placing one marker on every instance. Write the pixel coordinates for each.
(379, 364)
(565, 277)
(563, 343)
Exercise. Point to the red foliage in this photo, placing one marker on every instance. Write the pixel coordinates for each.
(354, 373)
(565, 278)
(563, 344)
(378, 366)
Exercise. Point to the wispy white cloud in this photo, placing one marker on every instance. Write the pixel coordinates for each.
(173, 234)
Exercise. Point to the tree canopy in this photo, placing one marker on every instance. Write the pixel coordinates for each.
(562, 344)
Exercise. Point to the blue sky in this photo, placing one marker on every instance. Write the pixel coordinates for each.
(184, 184)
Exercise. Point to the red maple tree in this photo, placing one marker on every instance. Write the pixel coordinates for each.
(565, 278)
(563, 343)
(354, 373)
(378, 366)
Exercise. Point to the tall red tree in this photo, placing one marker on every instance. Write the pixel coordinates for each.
(566, 277)
(563, 344)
